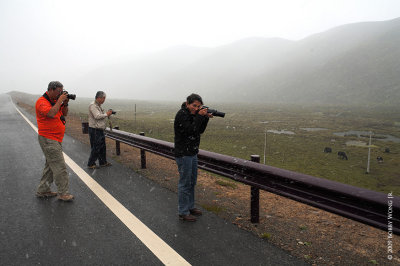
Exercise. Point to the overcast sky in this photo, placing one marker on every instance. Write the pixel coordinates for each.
(43, 40)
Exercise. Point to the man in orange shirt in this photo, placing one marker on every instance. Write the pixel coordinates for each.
(50, 111)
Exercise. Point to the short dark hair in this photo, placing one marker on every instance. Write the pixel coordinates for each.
(194, 97)
(54, 85)
(100, 94)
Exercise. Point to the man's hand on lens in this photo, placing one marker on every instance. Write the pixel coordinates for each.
(203, 112)
(109, 112)
(62, 98)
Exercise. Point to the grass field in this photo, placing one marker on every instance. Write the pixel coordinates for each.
(242, 133)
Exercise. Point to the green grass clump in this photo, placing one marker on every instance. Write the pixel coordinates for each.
(265, 235)
(226, 184)
(213, 208)
(303, 227)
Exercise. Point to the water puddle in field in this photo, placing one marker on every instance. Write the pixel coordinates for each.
(312, 129)
(286, 132)
(365, 134)
(357, 143)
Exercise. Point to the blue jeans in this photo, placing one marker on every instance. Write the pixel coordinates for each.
(187, 167)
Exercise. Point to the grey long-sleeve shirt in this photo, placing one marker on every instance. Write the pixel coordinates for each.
(97, 116)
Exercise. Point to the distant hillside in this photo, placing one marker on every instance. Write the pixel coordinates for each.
(26, 98)
(352, 64)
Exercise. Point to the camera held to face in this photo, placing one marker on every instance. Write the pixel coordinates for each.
(70, 96)
(113, 112)
(213, 111)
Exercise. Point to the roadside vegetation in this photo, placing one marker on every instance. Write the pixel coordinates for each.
(307, 130)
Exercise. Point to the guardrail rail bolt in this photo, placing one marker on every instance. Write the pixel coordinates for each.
(142, 154)
(255, 197)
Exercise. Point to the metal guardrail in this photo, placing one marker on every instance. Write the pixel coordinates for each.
(359, 204)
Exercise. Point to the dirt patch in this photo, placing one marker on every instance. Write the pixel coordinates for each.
(317, 236)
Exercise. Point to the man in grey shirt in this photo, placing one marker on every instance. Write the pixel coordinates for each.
(97, 124)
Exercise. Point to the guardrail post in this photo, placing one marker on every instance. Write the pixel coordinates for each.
(85, 127)
(142, 155)
(117, 144)
(255, 197)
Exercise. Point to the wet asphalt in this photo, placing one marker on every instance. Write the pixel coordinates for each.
(37, 231)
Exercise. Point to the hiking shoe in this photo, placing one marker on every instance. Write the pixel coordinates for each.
(47, 194)
(93, 166)
(106, 164)
(65, 197)
(196, 212)
(188, 218)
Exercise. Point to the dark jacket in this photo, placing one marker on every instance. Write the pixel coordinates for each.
(188, 128)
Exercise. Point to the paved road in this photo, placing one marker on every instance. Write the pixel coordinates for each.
(85, 232)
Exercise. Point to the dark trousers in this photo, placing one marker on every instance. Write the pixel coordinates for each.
(98, 145)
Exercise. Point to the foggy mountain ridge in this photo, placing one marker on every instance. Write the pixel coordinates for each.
(351, 64)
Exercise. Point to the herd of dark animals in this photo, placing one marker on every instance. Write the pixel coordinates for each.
(342, 155)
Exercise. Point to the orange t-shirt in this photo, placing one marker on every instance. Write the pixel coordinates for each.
(51, 128)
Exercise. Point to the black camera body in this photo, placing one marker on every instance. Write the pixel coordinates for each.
(113, 112)
(213, 111)
(70, 96)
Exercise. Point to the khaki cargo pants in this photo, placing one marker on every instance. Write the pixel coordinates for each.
(55, 168)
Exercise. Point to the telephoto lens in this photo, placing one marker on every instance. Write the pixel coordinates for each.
(214, 112)
(71, 96)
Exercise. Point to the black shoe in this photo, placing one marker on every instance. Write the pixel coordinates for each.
(188, 218)
(196, 212)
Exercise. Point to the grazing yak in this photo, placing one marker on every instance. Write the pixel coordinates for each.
(327, 150)
(379, 159)
(342, 155)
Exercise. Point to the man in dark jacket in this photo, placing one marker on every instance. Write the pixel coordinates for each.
(190, 121)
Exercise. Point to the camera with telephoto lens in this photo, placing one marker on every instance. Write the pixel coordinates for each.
(113, 112)
(213, 111)
(70, 96)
